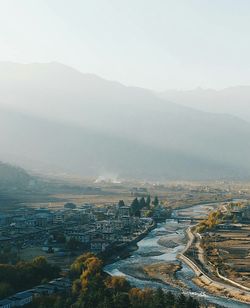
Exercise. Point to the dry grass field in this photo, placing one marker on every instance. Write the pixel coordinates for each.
(233, 248)
(30, 253)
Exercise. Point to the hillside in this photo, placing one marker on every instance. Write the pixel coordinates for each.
(84, 152)
(57, 118)
(233, 101)
(14, 182)
(13, 177)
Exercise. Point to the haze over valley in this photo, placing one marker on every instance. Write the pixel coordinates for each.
(55, 118)
(233, 101)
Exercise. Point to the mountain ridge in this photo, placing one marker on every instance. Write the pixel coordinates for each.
(131, 128)
(233, 100)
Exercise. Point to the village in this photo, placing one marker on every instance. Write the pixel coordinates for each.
(71, 231)
(75, 227)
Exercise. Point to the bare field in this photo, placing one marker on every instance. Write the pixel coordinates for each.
(233, 248)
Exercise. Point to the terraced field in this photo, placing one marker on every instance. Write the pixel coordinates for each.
(233, 249)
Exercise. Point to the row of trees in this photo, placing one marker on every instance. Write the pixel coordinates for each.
(138, 205)
(24, 275)
(94, 288)
(143, 203)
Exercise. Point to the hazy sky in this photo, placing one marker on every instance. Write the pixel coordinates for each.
(159, 44)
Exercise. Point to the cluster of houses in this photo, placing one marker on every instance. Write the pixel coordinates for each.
(237, 214)
(95, 227)
(115, 225)
(59, 285)
(241, 212)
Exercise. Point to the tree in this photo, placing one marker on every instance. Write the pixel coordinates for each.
(159, 298)
(92, 281)
(5, 290)
(121, 203)
(94, 288)
(181, 301)
(192, 303)
(76, 287)
(156, 201)
(117, 284)
(79, 265)
(40, 261)
(169, 299)
(135, 208)
(69, 205)
(148, 201)
(92, 273)
(142, 298)
(120, 300)
(25, 275)
(135, 297)
(142, 203)
(149, 213)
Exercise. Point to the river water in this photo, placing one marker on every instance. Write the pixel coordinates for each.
(150, 251)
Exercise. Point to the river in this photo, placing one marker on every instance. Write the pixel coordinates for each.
(150, 251)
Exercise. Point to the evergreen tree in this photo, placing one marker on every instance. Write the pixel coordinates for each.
(181, 301)
(156, 201)
(192, 303)
(121, 300)
(142, 203)
(159, 299)
(121, 203)
(135, 208)
(148, 201)
(169, 299)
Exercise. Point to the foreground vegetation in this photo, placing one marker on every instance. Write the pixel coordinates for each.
(25, 275)
(94, 288)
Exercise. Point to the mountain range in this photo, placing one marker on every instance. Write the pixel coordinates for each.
(233, 101)
(56, 119)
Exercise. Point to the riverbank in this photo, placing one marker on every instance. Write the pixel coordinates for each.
(124, 250)
(165, 272)
(158, 272)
